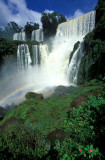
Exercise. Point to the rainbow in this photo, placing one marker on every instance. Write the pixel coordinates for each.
(14, 93)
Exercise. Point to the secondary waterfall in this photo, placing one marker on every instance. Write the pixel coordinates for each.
(23, 57)
(37, 35)
(19, 36)
(36, 58)
(72, 69)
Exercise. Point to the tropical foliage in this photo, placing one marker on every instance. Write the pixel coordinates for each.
(92, 64)
(50, 22)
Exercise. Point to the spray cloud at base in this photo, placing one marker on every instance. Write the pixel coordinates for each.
(52, 67)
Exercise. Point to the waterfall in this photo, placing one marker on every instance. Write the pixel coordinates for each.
(77, 27)
(56, 63)
(37, 35)
(23, 57)
(19, 36)
(75, 30)
(52, 66)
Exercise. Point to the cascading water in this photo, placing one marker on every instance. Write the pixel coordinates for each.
(36, 58)
(19, 36)
(23, 57)
(72, 69)
(77, 27)
(56, 63)
(37, 35)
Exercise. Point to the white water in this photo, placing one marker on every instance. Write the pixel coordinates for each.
(37, 35)
(23, 57)
(77, 27)
(36, 54)
(19, 36)
(72, 69)
(53, 67)
(55, 64)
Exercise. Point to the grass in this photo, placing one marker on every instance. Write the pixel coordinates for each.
(34, 120)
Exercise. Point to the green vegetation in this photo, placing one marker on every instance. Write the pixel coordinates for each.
(13, 27)
(67, 127)
(50, 22)
(30, 95)
(8, 48)
(92, 64)
(76, 45)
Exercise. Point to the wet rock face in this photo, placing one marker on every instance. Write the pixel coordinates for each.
(33, 95)
(3, 112)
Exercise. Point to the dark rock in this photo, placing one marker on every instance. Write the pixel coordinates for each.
(76, 45)
(33, 95)
(11, 106)
(81, 100)
(62, 90)
(3, 112)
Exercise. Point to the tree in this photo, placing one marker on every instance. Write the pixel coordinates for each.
(100, 20)
(14, 26)
(50, 22)
(9, 30)
(29, 27)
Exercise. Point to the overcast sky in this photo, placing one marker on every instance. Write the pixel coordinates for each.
(22, 11)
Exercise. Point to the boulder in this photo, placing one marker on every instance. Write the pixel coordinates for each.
(33, 95)
(63, 90)
(3, 112)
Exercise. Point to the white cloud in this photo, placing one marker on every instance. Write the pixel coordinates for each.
(4, 13)
(16, 10)
(48, 11)
(76, 14)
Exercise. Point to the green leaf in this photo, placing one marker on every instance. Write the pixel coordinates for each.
(91, 146)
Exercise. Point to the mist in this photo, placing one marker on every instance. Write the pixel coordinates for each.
(43, 78)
